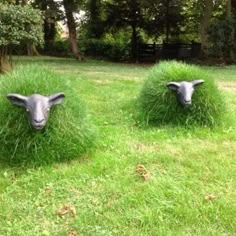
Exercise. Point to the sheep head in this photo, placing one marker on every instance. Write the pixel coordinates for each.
(37, 106)
(184, 90)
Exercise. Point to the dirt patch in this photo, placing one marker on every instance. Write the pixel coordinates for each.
(142, 172)
(65, 209)
(227, 86)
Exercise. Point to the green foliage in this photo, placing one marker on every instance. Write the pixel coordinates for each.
(222, 35)
(68, 133)
(95, 23)
(113, 50)
(158, 105)
(58, 48)
(163, 17)
(20, 24)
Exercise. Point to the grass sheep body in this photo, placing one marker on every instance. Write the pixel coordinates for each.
(157, 105)
(68, 133)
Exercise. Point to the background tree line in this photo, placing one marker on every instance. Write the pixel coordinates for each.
(114, 29)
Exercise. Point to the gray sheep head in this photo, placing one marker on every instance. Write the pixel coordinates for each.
(37, 106)
(184, 90)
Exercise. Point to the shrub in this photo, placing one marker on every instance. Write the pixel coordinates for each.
(67, 134)
(158, 105)
(58, 48)
(222, 35)
(102, 48)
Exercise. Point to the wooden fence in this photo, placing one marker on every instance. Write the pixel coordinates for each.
(179, 51)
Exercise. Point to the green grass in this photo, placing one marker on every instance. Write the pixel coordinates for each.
(109, 197)
(68, 134)
(158, 105)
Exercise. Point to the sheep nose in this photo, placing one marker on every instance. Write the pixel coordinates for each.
(187, 102)
(38, 121)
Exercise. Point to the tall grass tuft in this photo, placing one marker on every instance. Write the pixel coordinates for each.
(158, 105)
(68, 133)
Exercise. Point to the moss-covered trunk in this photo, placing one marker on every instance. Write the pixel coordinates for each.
(31, 50)
(5, 64)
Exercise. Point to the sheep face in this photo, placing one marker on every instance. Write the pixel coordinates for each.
(37, 106)
(184, 90)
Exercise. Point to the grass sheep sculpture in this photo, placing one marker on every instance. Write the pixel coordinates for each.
(67, 134)
(159, 104)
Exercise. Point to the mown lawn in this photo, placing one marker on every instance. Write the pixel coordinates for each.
(190, 186)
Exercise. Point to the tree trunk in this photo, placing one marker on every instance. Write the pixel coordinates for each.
(49, 33)
(134, 7)
(167, 21)
(5, 64)
(24, 2)
(205, 21)
(31, 50)
(228, 8)
(134, 43)
(228, 15)
(68, 5)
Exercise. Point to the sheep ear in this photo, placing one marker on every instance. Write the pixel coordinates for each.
(56, 98)
(197, 82)
(173, 86)
(17, 99)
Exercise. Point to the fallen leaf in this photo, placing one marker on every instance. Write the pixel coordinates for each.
(143, 172)
(109, 203)
(72, 233)
(63, 210)
(73, 211)
(210, 197)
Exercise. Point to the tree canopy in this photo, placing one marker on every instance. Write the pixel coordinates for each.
(18, 24)
(118, 28)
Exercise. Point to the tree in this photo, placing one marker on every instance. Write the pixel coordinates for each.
(228, 8)
(70, 7)
(18, 24)
(222, 33)
(31, 49)
(229, 15)
(126, 13)
(95, 24)
(163, 18)
(205, 22)
(52, 13)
